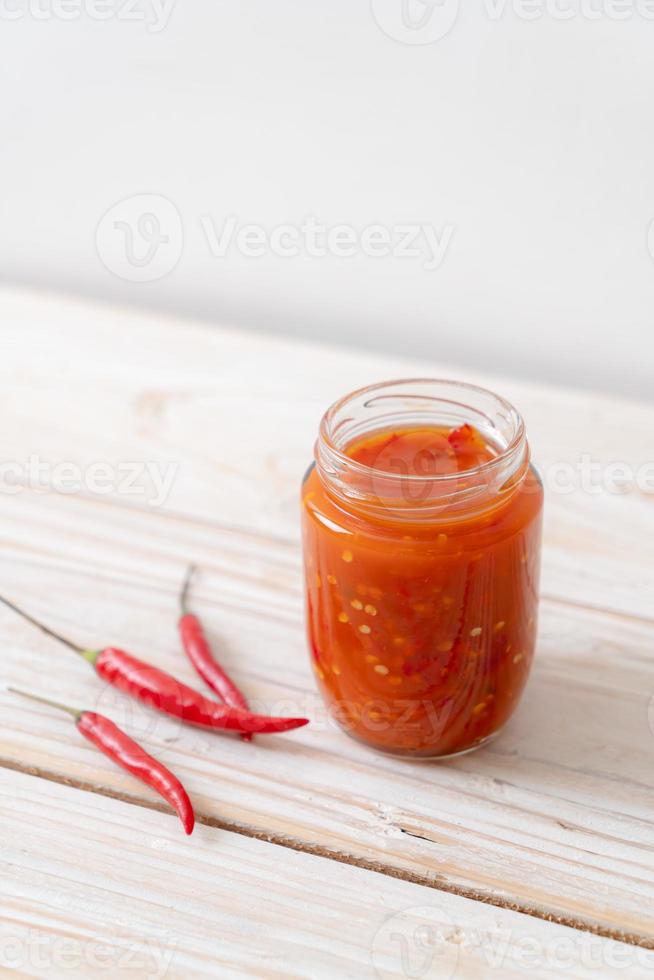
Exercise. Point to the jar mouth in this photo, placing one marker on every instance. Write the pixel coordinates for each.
(414, 402)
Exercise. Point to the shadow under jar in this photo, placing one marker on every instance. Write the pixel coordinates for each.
(421, 522)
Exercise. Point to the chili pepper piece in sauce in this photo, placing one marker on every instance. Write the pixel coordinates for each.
(199, 652)
(129, 755)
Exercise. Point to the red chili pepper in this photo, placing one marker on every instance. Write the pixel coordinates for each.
(199, 652)
(164, 692)
(128, 754)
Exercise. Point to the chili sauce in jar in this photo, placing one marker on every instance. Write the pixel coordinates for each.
(421, 524)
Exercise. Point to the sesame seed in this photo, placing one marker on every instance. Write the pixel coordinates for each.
(347, 556)
(364, 629)
(331, 579)
(343, 617)
(356, 604)
(370, 610)
(477, 631)
(381, 669)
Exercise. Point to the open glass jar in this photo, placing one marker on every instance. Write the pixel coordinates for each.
(422, 527)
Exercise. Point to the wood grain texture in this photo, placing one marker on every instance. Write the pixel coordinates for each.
(554, 817)
(96, 887)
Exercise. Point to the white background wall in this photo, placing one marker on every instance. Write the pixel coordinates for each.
(532, 139)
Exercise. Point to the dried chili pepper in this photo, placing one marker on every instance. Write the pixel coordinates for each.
(162, 691)
(199, 652)
(129, 755)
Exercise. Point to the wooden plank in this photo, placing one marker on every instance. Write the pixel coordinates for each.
(95, 887)
(236, 414)
(555, 816)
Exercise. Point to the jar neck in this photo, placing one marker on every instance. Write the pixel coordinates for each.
(408, 493)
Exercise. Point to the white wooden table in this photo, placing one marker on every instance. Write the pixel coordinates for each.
(313, 856)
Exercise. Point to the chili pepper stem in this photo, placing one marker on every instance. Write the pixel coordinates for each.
(90, 655)
(186, 584)
(73, 712)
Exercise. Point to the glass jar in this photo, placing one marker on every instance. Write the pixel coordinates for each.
(421, 524)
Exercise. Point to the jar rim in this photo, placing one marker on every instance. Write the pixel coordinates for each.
(336, 455)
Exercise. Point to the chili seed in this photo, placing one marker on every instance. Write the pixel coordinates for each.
(499, 626)
(381, 669)
(356, 604)
(518, 657)
(331, 579)
(347, 556)
(370, 610)
(371, 659)
(336, 669)
(364, 629)
(441, 539)
(477, 631)
(343, 617)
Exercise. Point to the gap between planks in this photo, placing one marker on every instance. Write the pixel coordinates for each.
(436, 882)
